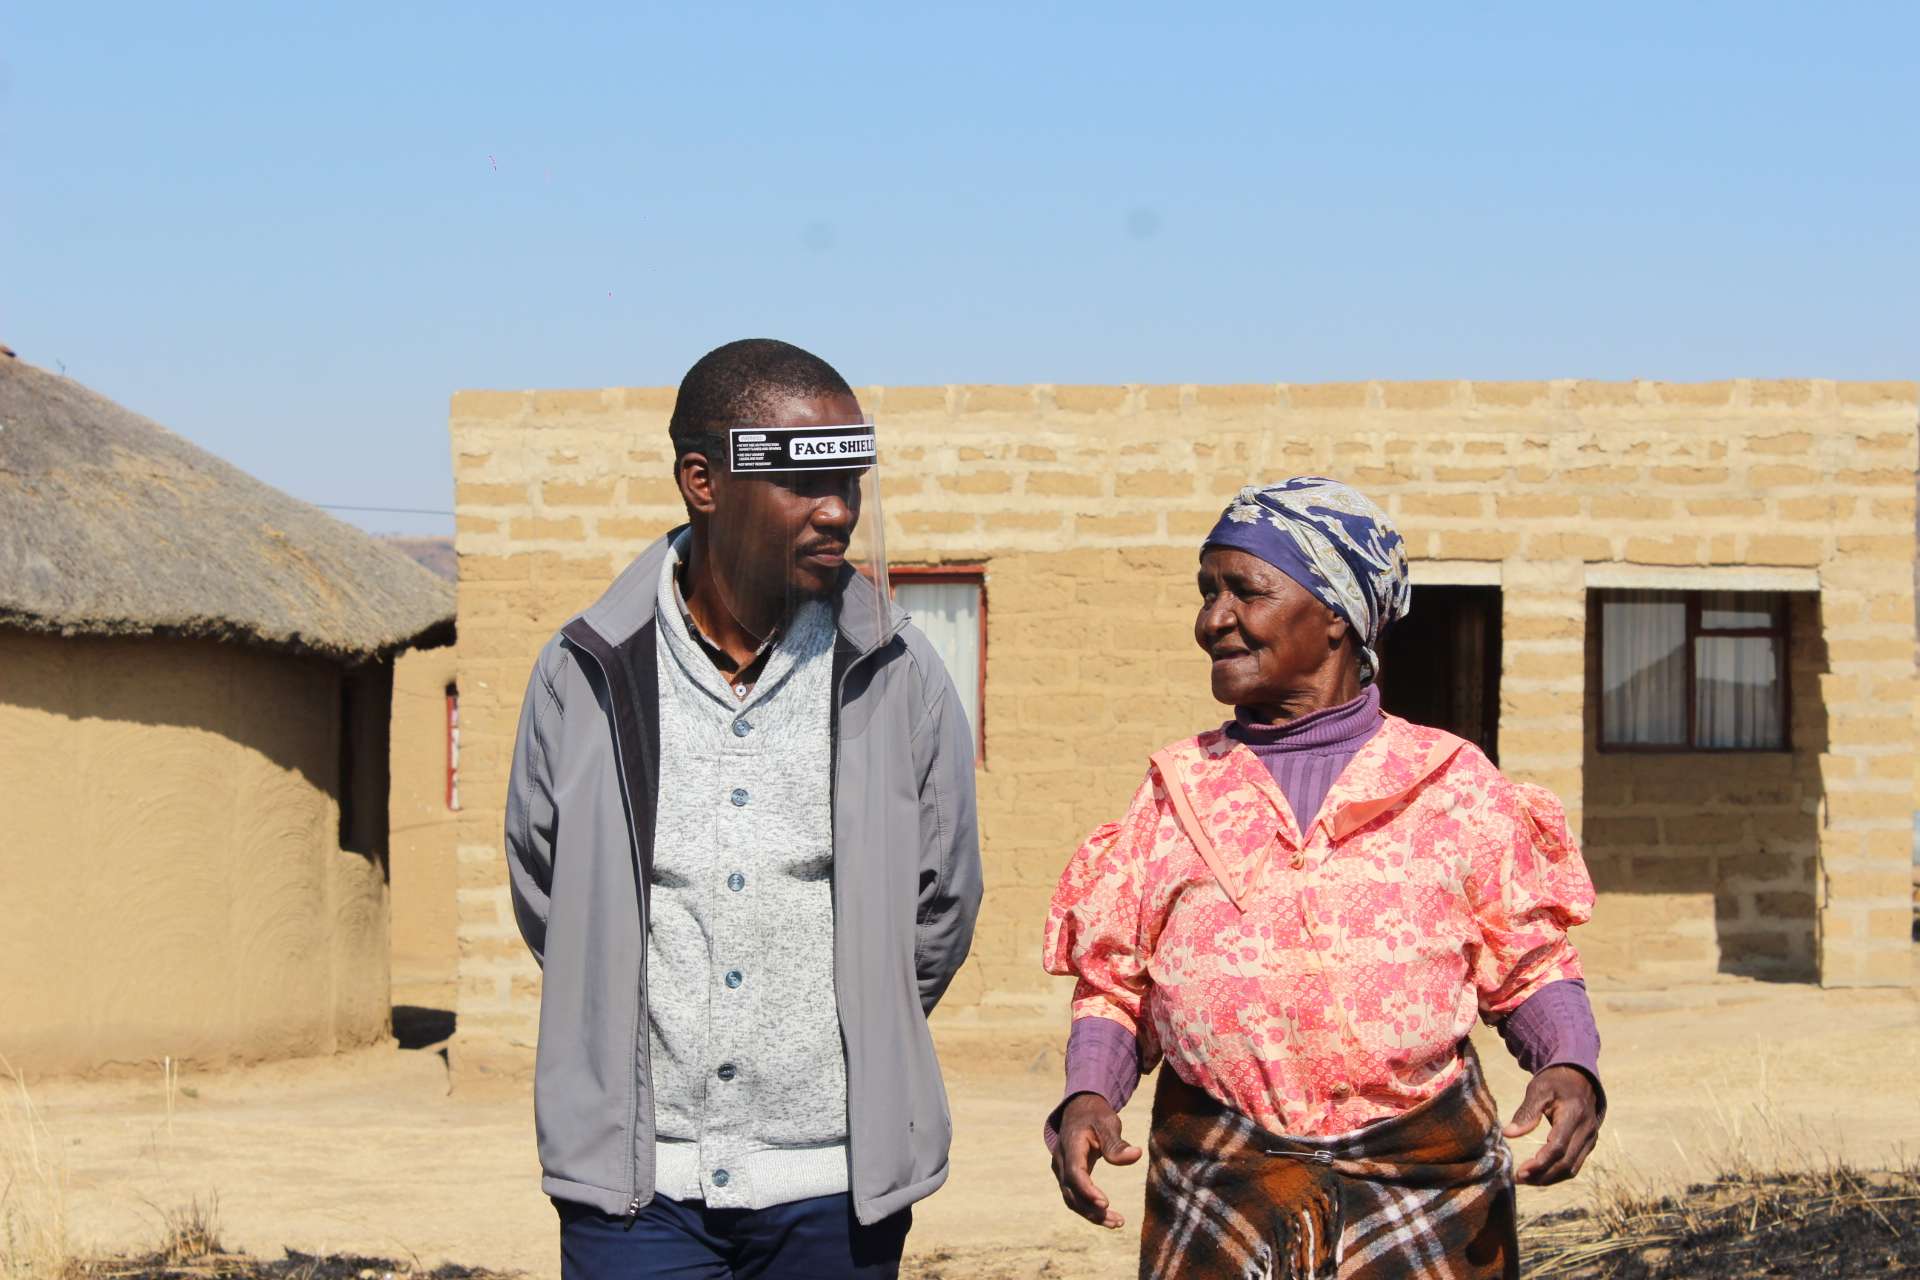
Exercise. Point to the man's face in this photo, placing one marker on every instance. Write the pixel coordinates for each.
(780, 536)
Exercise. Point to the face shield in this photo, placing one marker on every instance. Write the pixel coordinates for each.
(796, 557)
(797, 534)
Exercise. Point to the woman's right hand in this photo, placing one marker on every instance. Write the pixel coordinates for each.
(1089, 1133)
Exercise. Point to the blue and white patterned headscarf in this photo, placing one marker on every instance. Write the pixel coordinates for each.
(1333, 541)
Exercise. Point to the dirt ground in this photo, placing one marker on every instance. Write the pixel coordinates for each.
(377, 1153)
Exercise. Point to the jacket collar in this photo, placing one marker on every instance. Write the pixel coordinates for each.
(1211, 779)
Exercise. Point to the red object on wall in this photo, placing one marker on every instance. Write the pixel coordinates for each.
(453, 747)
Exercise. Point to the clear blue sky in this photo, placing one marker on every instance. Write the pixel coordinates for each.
(290, 232)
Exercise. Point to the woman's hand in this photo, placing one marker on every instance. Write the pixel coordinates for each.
(1564, 1095)
(1089, 1132)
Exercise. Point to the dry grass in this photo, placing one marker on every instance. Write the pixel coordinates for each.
(1832, 1222)
(35, 1243)
(191, 1233)
(1771, 1202)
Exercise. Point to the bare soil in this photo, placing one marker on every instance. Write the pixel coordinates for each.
(1836, 1223)
(386, 1154)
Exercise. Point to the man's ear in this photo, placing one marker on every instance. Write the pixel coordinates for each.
(695, 478)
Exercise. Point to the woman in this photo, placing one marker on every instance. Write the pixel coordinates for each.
(1303, 912)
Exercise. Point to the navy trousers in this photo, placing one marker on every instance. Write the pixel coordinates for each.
(815, 1239)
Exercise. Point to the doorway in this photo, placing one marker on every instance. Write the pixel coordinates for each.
(1440, 665)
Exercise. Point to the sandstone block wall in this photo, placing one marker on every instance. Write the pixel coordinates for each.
(1086, 503)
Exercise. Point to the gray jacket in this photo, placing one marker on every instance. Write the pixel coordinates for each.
(906, 888)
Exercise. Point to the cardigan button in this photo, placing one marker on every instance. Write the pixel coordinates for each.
(1298, 861)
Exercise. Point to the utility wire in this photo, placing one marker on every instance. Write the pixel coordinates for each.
(396, 511)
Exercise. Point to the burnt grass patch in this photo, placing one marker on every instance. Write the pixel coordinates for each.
(1837, 1222)
(294, 1266)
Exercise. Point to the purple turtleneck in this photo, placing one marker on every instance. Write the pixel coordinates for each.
(1553, 1027)
(1306, 755)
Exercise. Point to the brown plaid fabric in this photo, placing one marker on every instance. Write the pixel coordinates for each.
(1424, 1196)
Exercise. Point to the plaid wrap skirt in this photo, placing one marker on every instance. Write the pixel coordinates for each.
(1427, 1195)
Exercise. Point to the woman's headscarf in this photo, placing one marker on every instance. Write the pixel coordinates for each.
(1332, 540)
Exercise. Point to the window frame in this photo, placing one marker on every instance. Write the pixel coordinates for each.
(1780, 632)
(968, 575)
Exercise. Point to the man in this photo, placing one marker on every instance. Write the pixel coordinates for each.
(742, 843)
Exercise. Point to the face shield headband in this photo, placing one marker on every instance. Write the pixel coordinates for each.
(755, 450)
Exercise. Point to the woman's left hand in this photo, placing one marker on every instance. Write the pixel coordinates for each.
(1565, 1097)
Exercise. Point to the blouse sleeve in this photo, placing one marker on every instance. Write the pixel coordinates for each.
(1096, 926)
(1527, 887)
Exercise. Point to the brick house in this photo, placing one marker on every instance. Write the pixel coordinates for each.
(1687, 608)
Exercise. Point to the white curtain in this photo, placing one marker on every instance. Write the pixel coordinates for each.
(1737, 698)
(1643, 676)
(949, 614)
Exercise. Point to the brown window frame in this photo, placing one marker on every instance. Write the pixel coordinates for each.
(970, 575)
(1781, 632)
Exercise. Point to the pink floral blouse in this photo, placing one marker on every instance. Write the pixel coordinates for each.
(1319, 984)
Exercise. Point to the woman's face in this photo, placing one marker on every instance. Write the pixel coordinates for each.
(1265, 633)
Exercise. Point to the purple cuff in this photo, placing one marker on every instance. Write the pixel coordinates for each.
(1102, 1057)
(1554, 1027)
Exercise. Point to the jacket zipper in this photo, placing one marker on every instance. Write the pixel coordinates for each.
(833, 799)
(641, 1052)
(833, 802)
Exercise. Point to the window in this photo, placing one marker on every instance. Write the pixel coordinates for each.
(949, 604)
(1693, 671)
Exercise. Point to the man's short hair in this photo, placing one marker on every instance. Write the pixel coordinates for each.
(734, 385)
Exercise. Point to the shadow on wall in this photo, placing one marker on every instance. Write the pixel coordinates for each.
(174, 862)
(325, 723)
(1707, 861)
(418, 1027)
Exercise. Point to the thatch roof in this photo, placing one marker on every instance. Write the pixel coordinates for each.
(112, 525)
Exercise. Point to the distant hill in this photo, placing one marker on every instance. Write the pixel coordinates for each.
(433, 554)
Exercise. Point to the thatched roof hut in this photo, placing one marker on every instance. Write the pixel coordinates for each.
(196, 699)
(111, 525)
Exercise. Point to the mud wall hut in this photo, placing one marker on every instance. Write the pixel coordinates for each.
(195, 684)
